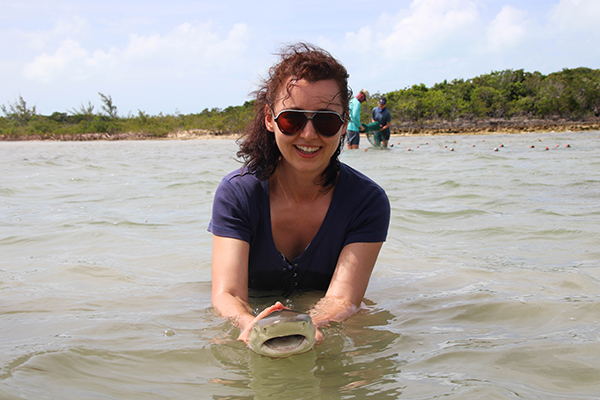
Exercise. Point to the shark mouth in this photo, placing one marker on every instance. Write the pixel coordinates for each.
(282, 333)
(287, 343)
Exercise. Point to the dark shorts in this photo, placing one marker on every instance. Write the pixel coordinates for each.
(385, 135)
(352, 137)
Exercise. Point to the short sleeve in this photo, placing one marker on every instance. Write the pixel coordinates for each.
(371, 222)
(230, 213)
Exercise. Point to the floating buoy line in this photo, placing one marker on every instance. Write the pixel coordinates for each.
(498, 148)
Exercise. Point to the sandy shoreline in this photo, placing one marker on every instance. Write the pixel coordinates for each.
(491, 126)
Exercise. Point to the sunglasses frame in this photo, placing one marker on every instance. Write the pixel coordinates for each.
(305, 112)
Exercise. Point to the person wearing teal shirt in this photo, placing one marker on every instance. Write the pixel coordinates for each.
(354, 126)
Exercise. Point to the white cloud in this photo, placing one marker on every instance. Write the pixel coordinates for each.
(507, 30)
(191, 43)
(68, 58)
(143, 46)
(576, 15)
(433, 40)
(430, 26)
(76, 27)
(172, 54)
(360, 42)
(102, 60)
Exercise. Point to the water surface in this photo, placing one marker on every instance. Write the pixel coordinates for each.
(488, 285)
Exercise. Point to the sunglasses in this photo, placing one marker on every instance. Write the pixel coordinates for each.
(326, 123)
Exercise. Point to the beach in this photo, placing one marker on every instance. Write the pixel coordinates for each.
(460, 127)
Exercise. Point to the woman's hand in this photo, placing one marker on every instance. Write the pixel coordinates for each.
(245, 335)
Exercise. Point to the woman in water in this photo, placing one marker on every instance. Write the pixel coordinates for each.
(294, 217)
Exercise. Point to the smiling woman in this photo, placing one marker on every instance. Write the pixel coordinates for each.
(306, 149)
(294, 217)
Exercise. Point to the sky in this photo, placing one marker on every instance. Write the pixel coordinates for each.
(182, 56)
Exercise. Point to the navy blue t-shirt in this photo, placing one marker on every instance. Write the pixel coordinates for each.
(383, 117)
(359, 212)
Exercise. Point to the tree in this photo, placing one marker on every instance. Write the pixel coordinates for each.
(84, 110)
(109, 108)
(552, 101)
(84, 113)
(18, 111)
(487, 102)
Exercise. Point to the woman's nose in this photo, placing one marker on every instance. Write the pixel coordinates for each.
(309, 131)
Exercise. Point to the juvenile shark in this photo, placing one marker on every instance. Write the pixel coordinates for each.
(282, 333)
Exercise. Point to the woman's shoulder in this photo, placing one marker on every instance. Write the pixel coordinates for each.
(242, 177)
(355, 175)
(243, 182)
(352, 180)
(364, 203)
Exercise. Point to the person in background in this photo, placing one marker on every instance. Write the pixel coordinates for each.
(293, 217)
(354, 125)
(382, 115)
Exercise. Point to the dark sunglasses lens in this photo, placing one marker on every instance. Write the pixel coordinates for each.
(327, 124)
(291, 122)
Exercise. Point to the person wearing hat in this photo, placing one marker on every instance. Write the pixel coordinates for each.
(354, 125)
(382, 115)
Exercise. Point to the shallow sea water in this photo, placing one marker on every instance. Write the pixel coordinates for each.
(487, 288)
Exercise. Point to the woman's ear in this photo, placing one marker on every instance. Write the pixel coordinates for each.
(269, 119)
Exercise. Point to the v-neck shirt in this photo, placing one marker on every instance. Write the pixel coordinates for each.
(359, 212)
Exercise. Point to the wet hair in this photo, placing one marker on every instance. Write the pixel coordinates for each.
(258, 148)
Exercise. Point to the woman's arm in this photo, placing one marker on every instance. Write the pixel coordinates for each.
(230, 280)
(342, 299)
(230, 284)
(348, 285)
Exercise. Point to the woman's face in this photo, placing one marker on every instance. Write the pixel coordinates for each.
(307, 151)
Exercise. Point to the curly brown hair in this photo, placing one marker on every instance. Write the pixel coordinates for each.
(258, 148)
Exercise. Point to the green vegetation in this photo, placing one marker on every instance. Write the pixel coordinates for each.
(572, 94)
(19, 121)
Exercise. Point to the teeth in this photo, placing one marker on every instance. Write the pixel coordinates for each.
(308, 150)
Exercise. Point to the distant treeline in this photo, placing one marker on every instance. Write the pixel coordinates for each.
(20, 120)
(571, 94)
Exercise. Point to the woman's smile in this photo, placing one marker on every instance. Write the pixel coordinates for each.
(308, 150)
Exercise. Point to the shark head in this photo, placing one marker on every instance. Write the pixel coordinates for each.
(282, 334)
